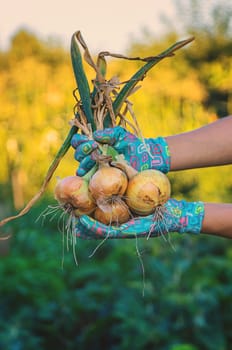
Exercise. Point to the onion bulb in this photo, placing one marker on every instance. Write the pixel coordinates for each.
(108, 182)
(147, 190)
(115, 214)
(73, 194)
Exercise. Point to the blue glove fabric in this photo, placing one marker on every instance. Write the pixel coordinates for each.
(177, 216)
(153, 153)
(84, 153)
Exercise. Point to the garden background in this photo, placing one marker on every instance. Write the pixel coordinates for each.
(46, 301)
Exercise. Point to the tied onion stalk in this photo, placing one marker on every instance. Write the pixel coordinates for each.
(106, 106)
(103, 106)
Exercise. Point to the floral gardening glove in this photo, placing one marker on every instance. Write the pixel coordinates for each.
(178, 216)
(153, 153)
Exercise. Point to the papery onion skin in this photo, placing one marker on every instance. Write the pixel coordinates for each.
(147, 190)
(116, 214)
(73, 191)
(108, 182)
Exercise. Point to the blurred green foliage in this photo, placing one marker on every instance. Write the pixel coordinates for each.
(99, 304)
(46, 301)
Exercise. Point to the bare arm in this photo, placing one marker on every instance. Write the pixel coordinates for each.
(210, 145)
(218, 220)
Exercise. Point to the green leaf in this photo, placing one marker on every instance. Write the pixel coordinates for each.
(81, 80)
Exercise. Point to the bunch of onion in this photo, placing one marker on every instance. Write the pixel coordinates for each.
(113, 190)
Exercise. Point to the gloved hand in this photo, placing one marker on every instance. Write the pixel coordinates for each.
(151, 154)
(177, 216)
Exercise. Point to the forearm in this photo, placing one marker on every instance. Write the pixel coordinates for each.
(218, 220)
(210, 145)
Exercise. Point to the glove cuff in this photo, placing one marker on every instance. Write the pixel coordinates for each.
(160, 154)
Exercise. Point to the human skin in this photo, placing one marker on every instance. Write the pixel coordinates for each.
(210, 145)
(218, 219)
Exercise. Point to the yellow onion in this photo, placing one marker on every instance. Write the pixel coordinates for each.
(107, 182)
(115, 214)
(147, 190)
(73, 194)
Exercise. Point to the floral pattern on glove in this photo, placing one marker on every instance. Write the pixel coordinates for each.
(152, 153)
(148, 154)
